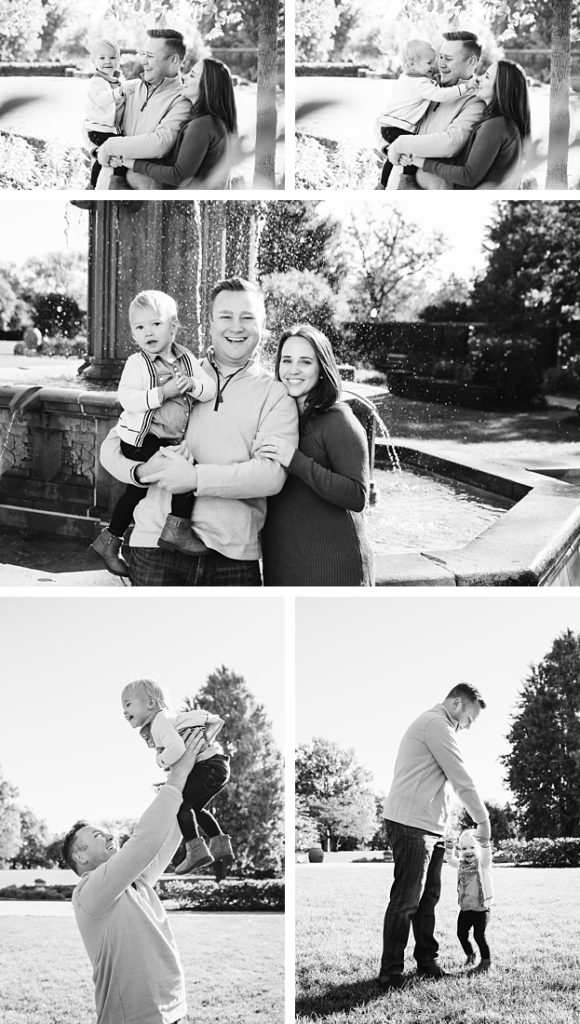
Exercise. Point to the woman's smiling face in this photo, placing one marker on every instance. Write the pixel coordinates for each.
(486, 84)
(192, 82)
(299, 368)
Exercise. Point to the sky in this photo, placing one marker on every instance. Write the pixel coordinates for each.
(63, 740)
(365, 668)
(34, 226)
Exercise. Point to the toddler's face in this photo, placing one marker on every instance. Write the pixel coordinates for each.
(136, 708)
(468, 849)
(151, 332)
(424, 62)
(105, 60)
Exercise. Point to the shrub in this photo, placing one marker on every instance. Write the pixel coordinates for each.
(243, 895)
(325, 164)
(37, 892)
(28, 164)
(564, 379)
(57, 314)
(300, 296)
(542, 853)
(508, 365)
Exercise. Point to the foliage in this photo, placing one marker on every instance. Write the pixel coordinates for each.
(57, 314)
(251, 807)
(563, 379)
(336, 792)
(10, 835)
(503, 821)
(21, 24)
(296, 235)
(543, 764)
(316, 21)
(510, 366)
(247, 895)
(28, 164)
(321, 165)
(387, 253)
(11, 308)
(542, 853)
(65, 272)
(33, 841)
(451, 303)
(306, 830)
(57, 893)
(533, 264)
(299, 296)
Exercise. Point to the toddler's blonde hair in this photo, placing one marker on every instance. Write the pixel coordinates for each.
(151, 689)
(105, 41)
(158, 302)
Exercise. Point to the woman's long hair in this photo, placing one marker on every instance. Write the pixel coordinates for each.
(510, 97)
(216, 94)
(328, 387)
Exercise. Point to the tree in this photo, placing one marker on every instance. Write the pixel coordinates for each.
(503, 821)
(305, 825)
(533, 262)
(450, 303)
(34, 839)
(316, 21)
(297, 235)
(10, 827)
(543, 765)
(21, 24)
(65, 272)
(336, 793)
(300, 296)
(386, 254)
(251, 807)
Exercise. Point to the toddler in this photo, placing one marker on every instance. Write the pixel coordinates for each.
(412, 93)
(475, 893)
(104, 95)
(145, 707)
(157, 388)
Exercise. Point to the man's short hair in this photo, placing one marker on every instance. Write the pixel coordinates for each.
(235, 284)
(466, 692)
(471, 43)
(68, 845)
(174, 42)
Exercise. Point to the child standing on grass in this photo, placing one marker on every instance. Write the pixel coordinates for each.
(474, 893)
(157, 388)
(145, 707)
(104, 98)
(411, 95)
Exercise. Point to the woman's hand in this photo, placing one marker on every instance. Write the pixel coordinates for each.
(278, 449)
(175, 474)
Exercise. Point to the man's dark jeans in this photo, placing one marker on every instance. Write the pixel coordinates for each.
(415, 892)
(156, 567)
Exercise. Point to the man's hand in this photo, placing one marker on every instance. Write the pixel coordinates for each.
(153, 465)
(180, 770)
(394, 156)
(175, 474)
(102, 156)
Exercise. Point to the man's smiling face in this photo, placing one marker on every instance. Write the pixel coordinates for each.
(236, 324)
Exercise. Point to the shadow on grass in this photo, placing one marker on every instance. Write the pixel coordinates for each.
(336, 998)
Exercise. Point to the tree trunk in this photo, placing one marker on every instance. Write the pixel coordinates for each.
(265, 161)
(557, 176)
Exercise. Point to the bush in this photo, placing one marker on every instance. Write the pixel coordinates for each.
(541, 853)
(76, 348)
(300, 296)
(325, 164)
(37, 892)
(564, 379)
(246, 895)
(57, 314)
(30, 163)
(508, 365)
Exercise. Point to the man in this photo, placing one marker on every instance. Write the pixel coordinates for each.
(230, 482)
(415, 818)
(136, 966)
(446, 127)
(155, 109)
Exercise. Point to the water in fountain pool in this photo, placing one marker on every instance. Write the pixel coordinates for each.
(419, 512)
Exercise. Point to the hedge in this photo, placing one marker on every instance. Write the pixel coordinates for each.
(329, 69)
(22, 68)
(541, 853)
(232, 894)
(36, 892)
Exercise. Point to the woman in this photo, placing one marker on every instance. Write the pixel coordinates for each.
(201, 157)
(315, 533)
(494, 153)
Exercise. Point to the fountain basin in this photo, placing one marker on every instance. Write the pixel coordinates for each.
(536, 542)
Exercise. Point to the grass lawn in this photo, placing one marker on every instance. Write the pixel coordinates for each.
(234, 969)
(534, 937)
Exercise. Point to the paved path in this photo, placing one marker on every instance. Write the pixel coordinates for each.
(54, 109)
(344, 110)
